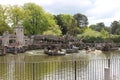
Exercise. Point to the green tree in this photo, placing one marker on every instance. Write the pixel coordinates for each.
(104, 33)
(3, 17)
(53, 27)
(73, 29)
(115, 27)
(65, 21)
(39, 21)
(82, 20)
(16, 15)
(98, 26)
(89, 32)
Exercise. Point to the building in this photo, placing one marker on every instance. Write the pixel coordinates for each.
(17, 40)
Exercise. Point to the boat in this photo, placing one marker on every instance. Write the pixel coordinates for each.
(73, 49)
(13, 49)
(54, 52)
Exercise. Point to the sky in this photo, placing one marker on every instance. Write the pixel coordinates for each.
(96, 11)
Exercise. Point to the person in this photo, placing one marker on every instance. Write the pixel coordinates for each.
(74, 47)
(87, 48)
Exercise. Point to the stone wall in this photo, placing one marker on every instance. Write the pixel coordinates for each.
(5, 38)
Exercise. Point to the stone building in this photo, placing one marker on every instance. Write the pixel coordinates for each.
(14, 41)
(19, 36)
(5, 39)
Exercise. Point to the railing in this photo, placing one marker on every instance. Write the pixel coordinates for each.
(60, 70)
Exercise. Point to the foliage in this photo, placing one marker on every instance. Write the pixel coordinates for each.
(53, 31)
(104, 33)
(98, 27)
(16, 14)
(92, 39)
(115, 28)
(115, 38)
(3, 25)
(65, 22)
(82, 20)
(39, 21)
(90, 32)
(34, 23)
(73, 29)
(91, 36)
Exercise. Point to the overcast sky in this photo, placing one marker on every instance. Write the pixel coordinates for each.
(97, 11)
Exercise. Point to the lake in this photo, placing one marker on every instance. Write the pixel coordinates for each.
(35, 65)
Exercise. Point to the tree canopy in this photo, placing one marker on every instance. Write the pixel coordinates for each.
(115, 27)
(98, 27)
(67, 23)
(39, 21)
(3, 17)
(82, 20)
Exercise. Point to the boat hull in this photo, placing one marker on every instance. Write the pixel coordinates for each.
(52, 53)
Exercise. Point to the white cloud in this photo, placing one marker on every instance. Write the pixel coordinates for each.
(21, 2)
(96, 10)
(107, 21)
(104, 11)
(72, 2)
(102, 7)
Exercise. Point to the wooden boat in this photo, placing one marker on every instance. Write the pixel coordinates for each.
(72, 50)
(12, 50)
(54, 52)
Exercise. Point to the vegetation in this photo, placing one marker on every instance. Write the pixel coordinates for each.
(36, 21)
(82, 20)
(3, 17)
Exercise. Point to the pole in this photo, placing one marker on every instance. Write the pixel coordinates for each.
(109, 63)
(107, 74)
(33, 71)
(75, 71)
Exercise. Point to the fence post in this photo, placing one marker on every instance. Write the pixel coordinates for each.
(75, 71)
(15, 51)
(106, 73)
(109, 63)
(33, 71)
(4, 50)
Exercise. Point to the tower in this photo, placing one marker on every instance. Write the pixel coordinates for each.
(19, 33)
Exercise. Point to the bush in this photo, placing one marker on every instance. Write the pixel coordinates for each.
(115, 39)
(92, 39)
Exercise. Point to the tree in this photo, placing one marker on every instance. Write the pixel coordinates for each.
(98, 27)
(53, 27)
(16, 15)
(104, 33)
(115, 27)
(73, 29)
(3, 25)
(82, 20)
(38, 21)
(53, 31)
(65, 21)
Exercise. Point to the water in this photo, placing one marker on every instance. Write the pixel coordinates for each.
(35, 65)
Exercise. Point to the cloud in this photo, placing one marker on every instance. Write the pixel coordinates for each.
(102, 7)
(104, 11)
(107, 21)
(21, 2)
(68, 7)
(96, 10)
